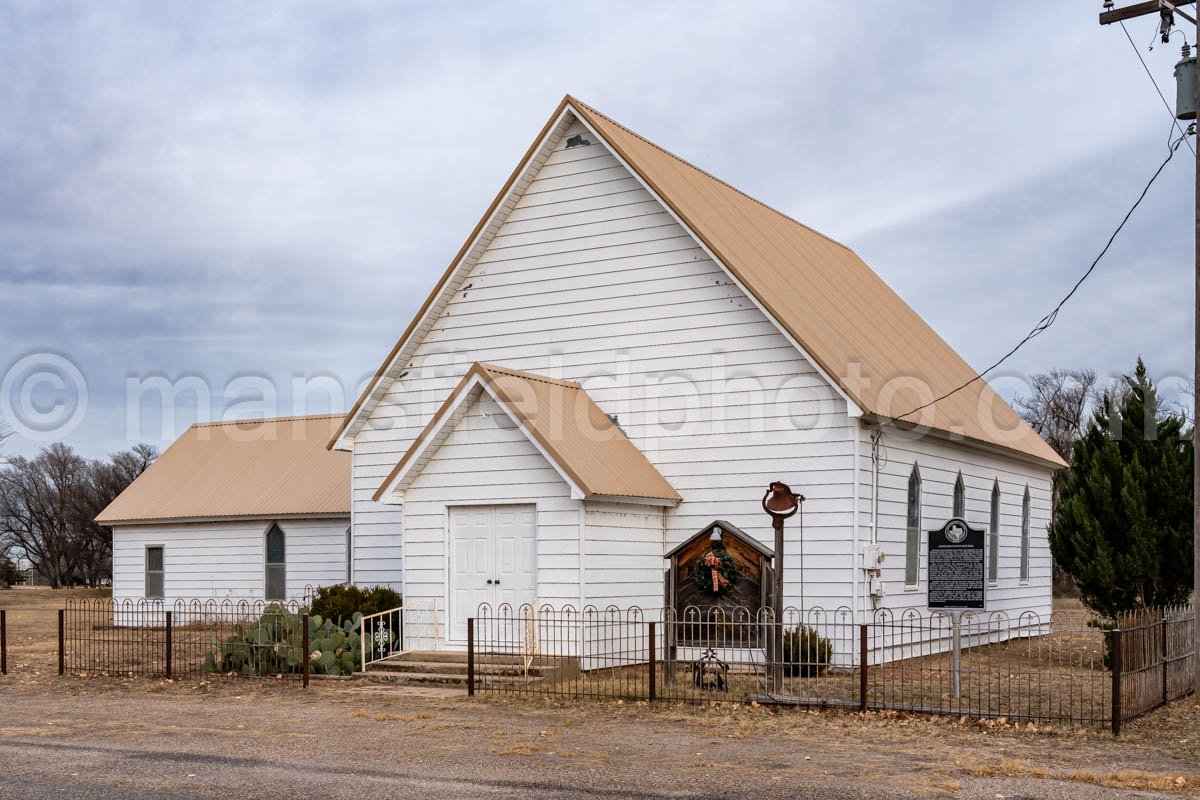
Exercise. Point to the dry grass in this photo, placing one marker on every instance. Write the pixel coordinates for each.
(1138, 779)
(33, 628)
(910, 750)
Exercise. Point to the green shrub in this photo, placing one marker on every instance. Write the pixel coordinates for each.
(337, 602)
(805, 653)
(1107, 626)
(341, 602)
(274, 645)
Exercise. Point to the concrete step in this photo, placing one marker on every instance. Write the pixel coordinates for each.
(438, 679)
(454, 668)
(416, 678)
(460, 658)
(430, 656)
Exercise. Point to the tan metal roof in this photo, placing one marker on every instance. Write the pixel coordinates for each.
(563, 421)
(859, 332)
(255, 468)
(857, 329)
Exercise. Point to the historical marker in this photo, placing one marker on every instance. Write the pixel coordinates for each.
(957, 577)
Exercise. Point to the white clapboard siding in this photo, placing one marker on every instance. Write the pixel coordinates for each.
(624, 546)
(589, 279)
(940, 463)
(378, 529)
(226, 560)
(499, 465)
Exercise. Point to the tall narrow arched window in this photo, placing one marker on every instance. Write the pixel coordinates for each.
(912, 552)
(960, 497)
(994, 535)
(276, 564)
(1025, 536)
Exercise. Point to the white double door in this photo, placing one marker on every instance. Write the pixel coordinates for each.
(493, 560)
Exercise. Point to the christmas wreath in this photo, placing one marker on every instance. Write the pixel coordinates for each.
(716, 572)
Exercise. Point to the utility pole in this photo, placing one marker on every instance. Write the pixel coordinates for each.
(1167, 11)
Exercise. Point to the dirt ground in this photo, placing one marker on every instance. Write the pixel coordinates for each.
(132, 738)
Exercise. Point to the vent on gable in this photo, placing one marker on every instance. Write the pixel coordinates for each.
(578, 140)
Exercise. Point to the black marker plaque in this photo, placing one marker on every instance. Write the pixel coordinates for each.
(956, 566)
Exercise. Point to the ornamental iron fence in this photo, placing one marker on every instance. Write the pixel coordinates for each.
(1065, 667)
(184, 639)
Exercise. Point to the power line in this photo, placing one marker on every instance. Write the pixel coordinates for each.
(1153, 81)
(1044, 324)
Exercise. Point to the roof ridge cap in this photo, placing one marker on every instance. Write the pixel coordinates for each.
(260, 420)
(709, 175)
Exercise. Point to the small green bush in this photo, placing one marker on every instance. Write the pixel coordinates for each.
(806, 654)
(341, 602)
(274, 645)
(337, 602)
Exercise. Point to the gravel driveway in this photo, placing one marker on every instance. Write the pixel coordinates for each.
(72, 737)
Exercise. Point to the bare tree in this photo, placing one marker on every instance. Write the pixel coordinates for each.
(1183, 406)
(105, 480)
(36, 496)
(5, 432)
(1060, 408)
(48, 506)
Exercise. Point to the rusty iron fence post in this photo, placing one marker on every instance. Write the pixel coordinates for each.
(470, 656)
(653, 663)
(169, 641)
(304, 646)
(3, 642)
(1116, 682)
(864, 663)
(62, 662)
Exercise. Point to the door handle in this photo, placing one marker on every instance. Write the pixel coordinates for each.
(497, 581)
(489, 581)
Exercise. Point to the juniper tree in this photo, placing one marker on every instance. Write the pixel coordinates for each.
(1124, 524)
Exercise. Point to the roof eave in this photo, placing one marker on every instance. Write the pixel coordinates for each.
(1054, 463)
(265, 516)
(667, 502)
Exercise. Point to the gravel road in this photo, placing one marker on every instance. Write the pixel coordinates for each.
(144, 739)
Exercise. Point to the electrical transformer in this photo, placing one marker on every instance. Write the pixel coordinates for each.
(1185, 87)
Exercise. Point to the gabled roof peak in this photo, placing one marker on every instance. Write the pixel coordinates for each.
(577, 103)
(589, 451)
(859, 334)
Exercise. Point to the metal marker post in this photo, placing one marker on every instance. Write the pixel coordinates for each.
(956, 652)
(957, 560)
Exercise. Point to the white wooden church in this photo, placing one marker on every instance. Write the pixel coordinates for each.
(624, 350)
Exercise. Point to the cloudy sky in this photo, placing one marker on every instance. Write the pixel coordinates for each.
(237, 192)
